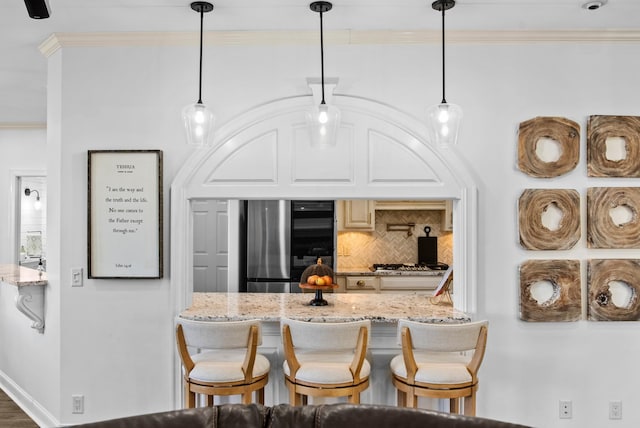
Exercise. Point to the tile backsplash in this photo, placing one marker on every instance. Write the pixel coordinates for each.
(363, 249)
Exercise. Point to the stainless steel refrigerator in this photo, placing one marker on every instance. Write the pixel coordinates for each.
(282, 238)
(268, 246)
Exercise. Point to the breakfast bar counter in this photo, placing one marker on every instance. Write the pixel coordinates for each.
(384, 310)
(379, 308)
(27, 286)
(21, 276)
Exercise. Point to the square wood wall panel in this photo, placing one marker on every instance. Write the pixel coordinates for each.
(600, 275)
(601, 128)
(564, 131)
(566, 302)
(534, 235)
(602, 231)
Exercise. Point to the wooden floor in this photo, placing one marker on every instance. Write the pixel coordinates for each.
(11, 416)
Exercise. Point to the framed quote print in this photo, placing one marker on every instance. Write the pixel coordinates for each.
(125, 214)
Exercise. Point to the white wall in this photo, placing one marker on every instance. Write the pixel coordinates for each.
(26, 356)
(116, 340)
(22, 150)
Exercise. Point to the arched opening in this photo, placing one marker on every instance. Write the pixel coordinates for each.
(381, 154)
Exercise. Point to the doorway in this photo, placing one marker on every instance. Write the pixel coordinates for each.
(210, 245)
(31, 221)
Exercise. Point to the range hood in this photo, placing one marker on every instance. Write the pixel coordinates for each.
(410, 205)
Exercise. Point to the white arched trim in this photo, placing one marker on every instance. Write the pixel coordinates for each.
(381, 153)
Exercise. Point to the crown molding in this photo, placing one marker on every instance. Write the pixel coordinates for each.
(23, 125)
(341, 37)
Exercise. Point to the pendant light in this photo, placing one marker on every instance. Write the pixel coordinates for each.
(444, 119)
(323, 119)
(198, 119)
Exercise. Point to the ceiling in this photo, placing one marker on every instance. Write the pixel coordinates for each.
(23, 67)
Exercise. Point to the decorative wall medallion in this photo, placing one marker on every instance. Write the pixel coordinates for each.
(564, 300)
(538, 229)
(613, 146)
(613, 219)
(563, 132)
(605, 275)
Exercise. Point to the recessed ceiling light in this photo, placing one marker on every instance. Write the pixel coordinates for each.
(594, 5)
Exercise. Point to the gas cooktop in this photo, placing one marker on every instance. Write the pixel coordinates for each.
(410, 266)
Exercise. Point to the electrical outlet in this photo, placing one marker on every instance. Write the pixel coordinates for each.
(566, 411)
(77, 404)
(615, 409)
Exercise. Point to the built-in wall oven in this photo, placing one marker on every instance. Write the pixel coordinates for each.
(283, 238)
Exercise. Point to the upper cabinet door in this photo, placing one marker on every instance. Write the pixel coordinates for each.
(447, 216)
(357, 214)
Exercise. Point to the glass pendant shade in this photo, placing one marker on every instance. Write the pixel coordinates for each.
(198, 123)
(323, 121)
(198, 119)
(443, 121)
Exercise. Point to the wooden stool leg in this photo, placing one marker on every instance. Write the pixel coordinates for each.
(260, 396)
(189, 397)
(454, 405)
(470, 404)
(210, 400)
(304, 399)
(412, 400)
(402, 402)
(354, 398)
(294, 397)
(246, 397)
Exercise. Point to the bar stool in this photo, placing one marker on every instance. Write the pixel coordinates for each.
(325, 359)
(439, 361)
(226, 361)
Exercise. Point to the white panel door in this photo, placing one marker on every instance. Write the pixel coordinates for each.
(210, 245)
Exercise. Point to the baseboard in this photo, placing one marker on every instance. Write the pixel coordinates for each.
(31, 407)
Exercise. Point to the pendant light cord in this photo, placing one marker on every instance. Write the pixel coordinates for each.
(444, 101)
(322, 57)
(201, 31)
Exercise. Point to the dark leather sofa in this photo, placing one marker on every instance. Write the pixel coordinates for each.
(312, 416)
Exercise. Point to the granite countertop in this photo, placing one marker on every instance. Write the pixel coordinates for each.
(342, 307)
(21, 276)
(364, 271)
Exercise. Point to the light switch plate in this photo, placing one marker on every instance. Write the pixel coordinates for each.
(76, 277)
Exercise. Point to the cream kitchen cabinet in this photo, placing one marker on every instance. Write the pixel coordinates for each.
(357, 284)
(407, 284)
(416, 284)
(446, 206)
(447, 216)
(410, 205)
(361, 283)
(356, 215)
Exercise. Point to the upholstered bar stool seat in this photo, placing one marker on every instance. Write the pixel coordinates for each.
(323, 367)
(226, 366)
(223, 359)
(439, 361)
(325, 359)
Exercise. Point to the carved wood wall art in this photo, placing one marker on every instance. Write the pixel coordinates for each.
(600, 274)
(602, 231)
(531, 207)
(599, 129)
(566, 301)
(566, 132)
